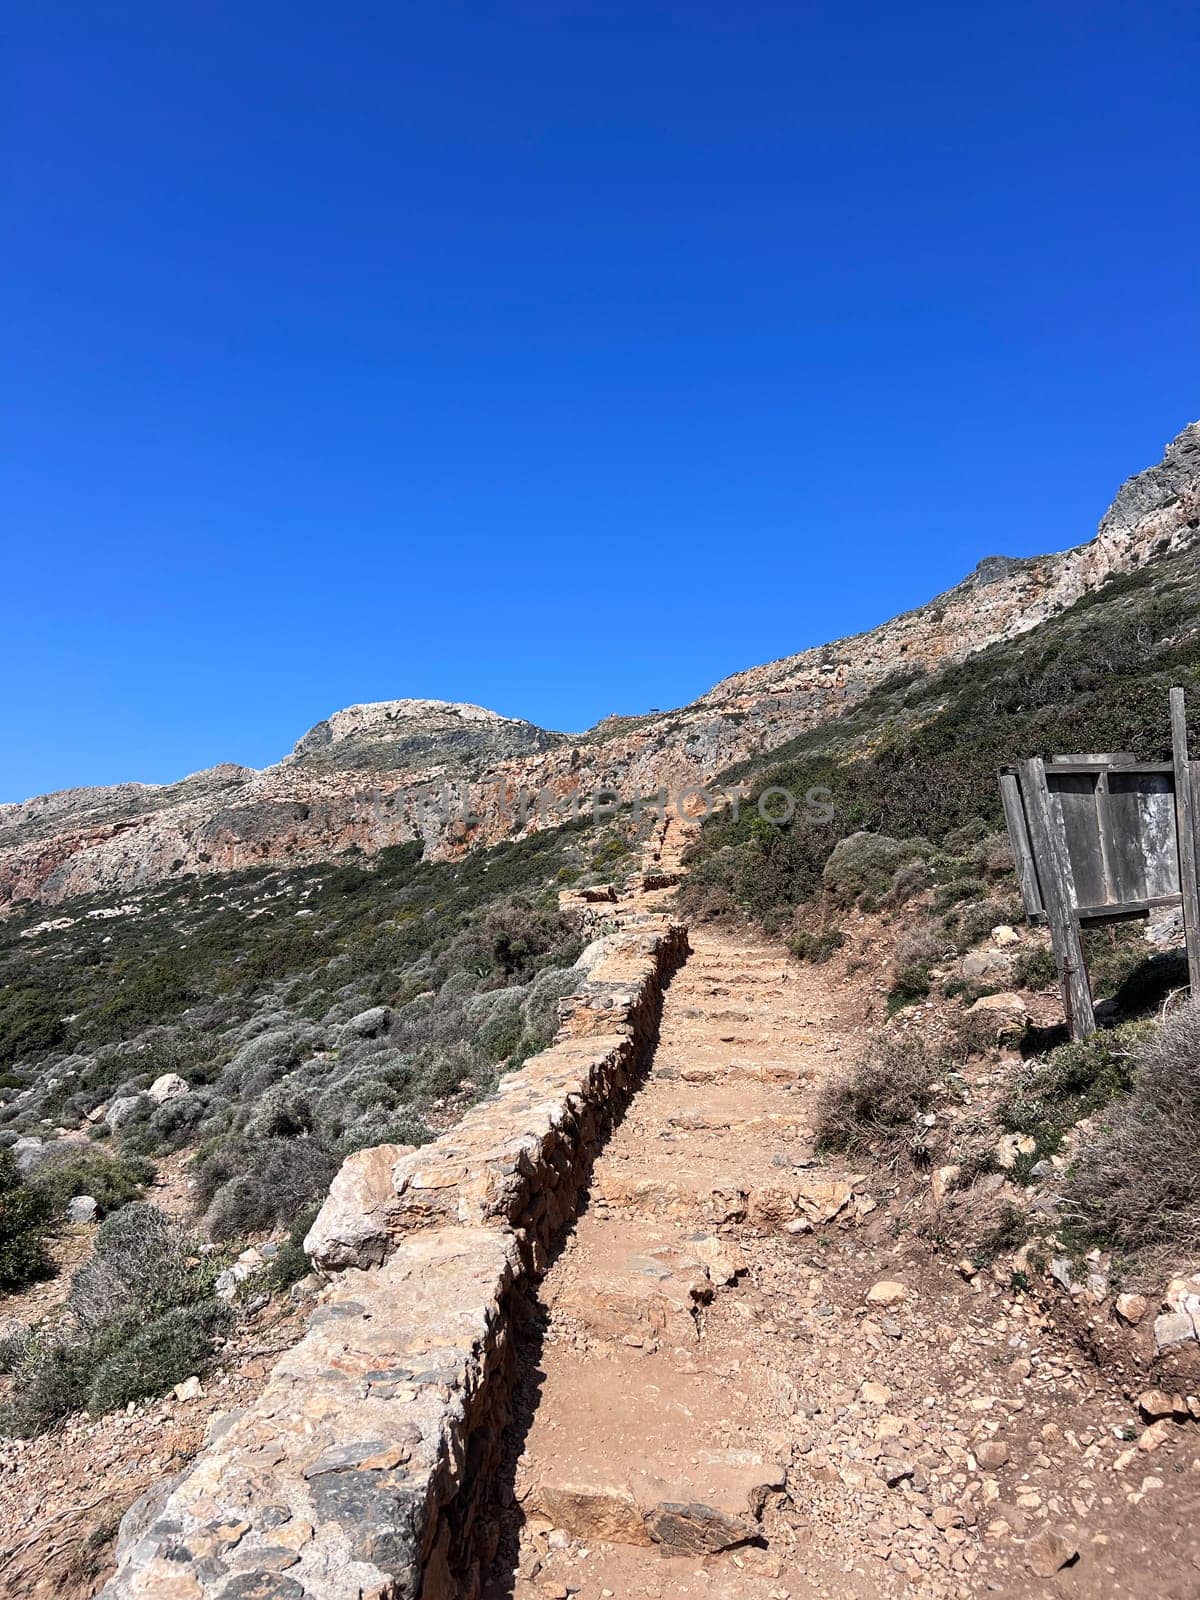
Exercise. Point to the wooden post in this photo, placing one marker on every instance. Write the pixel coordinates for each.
(1185, 830)
(1058, 897)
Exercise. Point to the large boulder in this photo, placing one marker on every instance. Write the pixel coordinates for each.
(351, 1227)
(993, 964)
(122, 1109)
(167, 1087)
(82, 1208)
(1002, 1018)
(27, 1152)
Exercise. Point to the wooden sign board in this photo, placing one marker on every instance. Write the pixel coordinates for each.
(1103, 838)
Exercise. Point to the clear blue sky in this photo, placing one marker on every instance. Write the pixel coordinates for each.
(561, 357)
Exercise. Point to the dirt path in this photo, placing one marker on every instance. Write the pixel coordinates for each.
(722, 1400)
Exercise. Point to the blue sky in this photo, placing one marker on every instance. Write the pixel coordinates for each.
(560, 357)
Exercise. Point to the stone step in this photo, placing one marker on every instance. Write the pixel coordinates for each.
(695, 1504)
(700, 1188)
(643, 1289)
(633, 1451)
(762, 1069)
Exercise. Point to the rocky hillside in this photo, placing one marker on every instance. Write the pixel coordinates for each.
(372, 776)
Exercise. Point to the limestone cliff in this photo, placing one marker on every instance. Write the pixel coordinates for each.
(368, 775)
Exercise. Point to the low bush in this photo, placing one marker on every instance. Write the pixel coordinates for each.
(25, 1218)
(923, 945)
(1035, 968)
(290, 1262)
(1136, 1181)
(1009, 1232)
(265, 1182)
(49, 1381)
(816, 947)
(111, 1180)
(909, 880)
(908, 985)
(1072, 1082)
(970, 922)
(866, 864)
(140, 1316)
(880, 1098)
(165, 1352)
(144, 1264)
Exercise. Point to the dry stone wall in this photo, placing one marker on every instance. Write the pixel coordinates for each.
(363, 1471)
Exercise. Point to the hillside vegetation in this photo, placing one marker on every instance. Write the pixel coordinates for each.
(292, 1017)
(918, 759)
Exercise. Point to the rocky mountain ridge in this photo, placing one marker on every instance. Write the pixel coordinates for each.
(375, 775)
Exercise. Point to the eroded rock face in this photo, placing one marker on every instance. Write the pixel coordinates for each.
(367, 775)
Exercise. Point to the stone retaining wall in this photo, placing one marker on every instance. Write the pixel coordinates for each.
(362, 1472)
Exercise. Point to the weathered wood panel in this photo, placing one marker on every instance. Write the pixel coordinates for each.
(1073, 806)
(1145, 858)
(1018, 833)
(1185, 820)
(1058, 896)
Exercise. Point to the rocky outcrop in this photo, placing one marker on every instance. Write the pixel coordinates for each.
(365, 1466)
(452, 775)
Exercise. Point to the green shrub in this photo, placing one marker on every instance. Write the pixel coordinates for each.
(1035, 968)
(1074, 1081)
(30, 1023)
(267, 1181)
(923, 945)
(25, 1217)
(165, 1352)
(816, 947)
(112, 1180)
(50, 1381)
(879, 1099)
(971, 922)
(140, 1316)
(143, 1263)
(866, 864)
(290, 1263)
(1008, 1233)
(908, 985)
(1136, 1182)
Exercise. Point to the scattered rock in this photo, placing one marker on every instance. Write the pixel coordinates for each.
(1155, 1403)
(987, 964)
(27, 1153)
(1156, 1434)
(944, 1179)
(82, 1208)
(1049, 1552)
(1060, 1271)
(992, 1454)
(1011, 1146)
(887, 1292)
(1172, 1329)
(1005, 1015)
(1132, 1308)
(122, 1108)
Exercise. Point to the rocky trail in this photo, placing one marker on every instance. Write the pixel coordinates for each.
(747, 1374)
